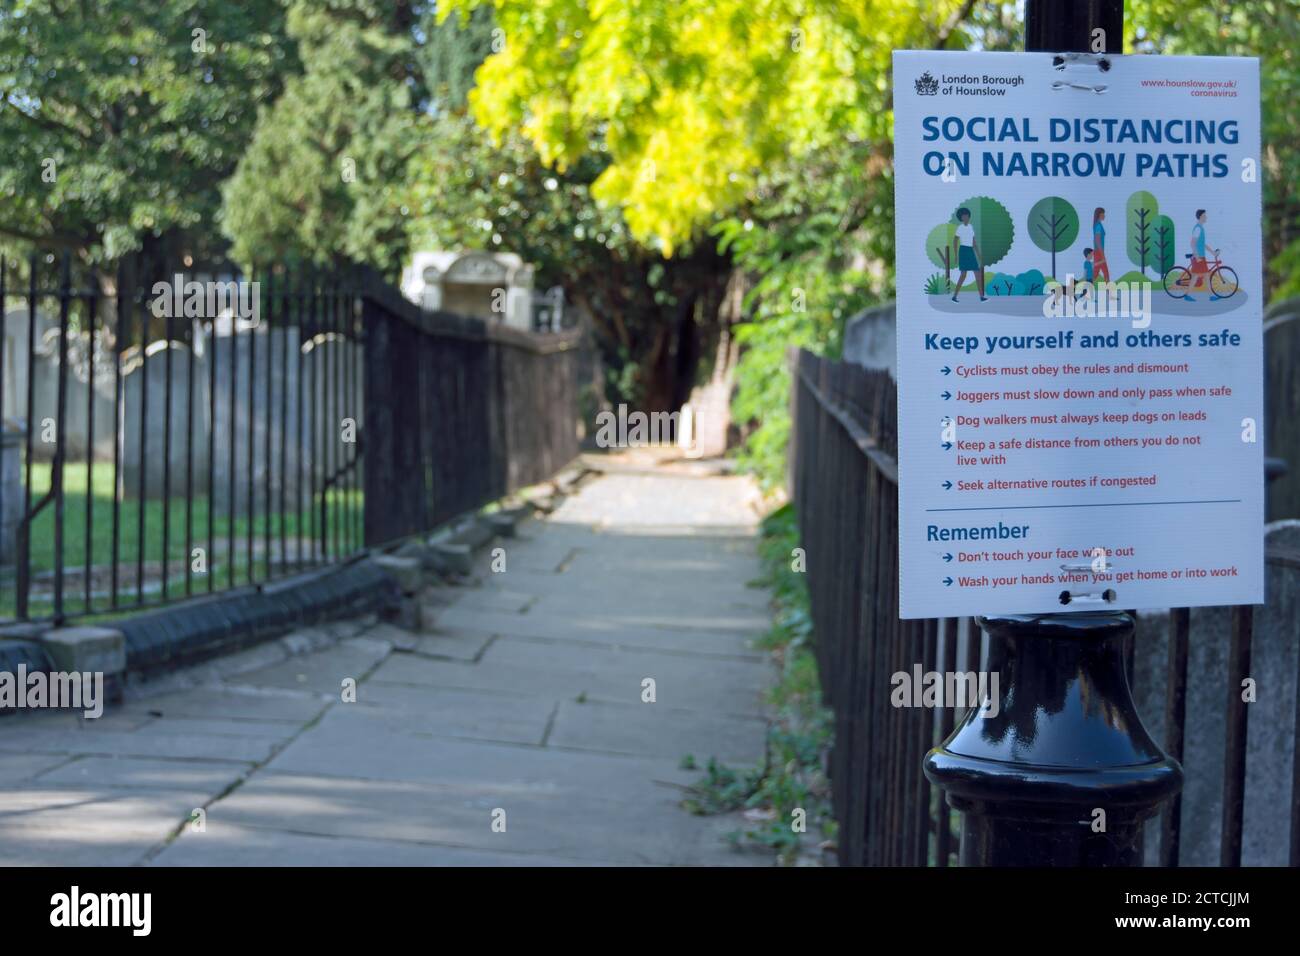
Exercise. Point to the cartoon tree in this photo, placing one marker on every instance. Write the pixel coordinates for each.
(1053, 226)
(1163, 230)
(994, 230)
(938, 245)
(1142, 211)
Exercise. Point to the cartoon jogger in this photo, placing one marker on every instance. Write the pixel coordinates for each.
(968, 253)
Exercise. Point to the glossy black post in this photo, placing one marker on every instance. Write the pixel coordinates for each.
(1061, 771)
(1066, 26)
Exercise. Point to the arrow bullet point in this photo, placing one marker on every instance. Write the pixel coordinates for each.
(947, 582)
(947, 395)
(947, 557)
(947, 445)
(948, 485)
(946, 370)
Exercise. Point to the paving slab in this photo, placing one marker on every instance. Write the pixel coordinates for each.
(342, 747)
(321, 672)
(654, 730)
(558, 821)
(140, 773)
(610, 674)
(228, 844)
(457, 646)
(88, 826)
(449, 712)
(121, 744)
(583, 628)
(229, 703)
(18, 767)
(490, 599)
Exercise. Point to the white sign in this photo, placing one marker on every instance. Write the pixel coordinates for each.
(1080, 300)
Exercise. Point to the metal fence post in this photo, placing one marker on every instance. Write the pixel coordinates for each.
(1063, 773)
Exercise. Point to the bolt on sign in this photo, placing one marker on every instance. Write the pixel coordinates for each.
(1080, 301)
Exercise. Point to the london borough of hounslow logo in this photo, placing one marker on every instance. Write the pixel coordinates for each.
(926, 84)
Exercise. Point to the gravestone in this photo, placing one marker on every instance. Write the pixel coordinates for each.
(14, 368)
(334, 396)
(870, 339)
(163, 449)
(493, 286)
(279, 361)
(79, 411)
(11, 489)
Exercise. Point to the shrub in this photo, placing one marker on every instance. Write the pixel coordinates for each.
(938, 284)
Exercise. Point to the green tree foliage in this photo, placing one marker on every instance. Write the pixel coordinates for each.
(138, 110)
(813, 244)
(693, 99)
(653, 317)
(1165, 248)
(1140, 219)
(1053, 226)
(938, 245)
(994, 230)
(452, 51)
(325, 176)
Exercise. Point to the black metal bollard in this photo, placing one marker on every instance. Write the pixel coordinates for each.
(1064, 743)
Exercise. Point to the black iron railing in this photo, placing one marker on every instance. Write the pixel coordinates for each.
(844, 479)
(168, 436)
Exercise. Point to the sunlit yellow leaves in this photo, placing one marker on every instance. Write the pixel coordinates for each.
(694, 98)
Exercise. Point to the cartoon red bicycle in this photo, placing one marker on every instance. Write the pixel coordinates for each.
(1181, 282)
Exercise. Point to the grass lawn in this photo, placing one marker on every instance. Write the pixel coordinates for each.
(99, 500)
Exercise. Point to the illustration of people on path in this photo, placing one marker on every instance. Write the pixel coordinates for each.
(1200, 267)
(1100, 269)
(968, 253)
(981, 231)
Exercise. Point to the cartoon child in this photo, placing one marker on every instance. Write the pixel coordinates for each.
(1099, 267)
(968, 253)
(1088, 272)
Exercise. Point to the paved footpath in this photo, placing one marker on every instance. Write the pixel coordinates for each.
(521, 703)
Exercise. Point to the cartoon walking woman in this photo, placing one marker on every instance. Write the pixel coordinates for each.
(968, 253)
(1100, 271)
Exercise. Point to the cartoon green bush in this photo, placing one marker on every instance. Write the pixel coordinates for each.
(999, 283)
(938, 284)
